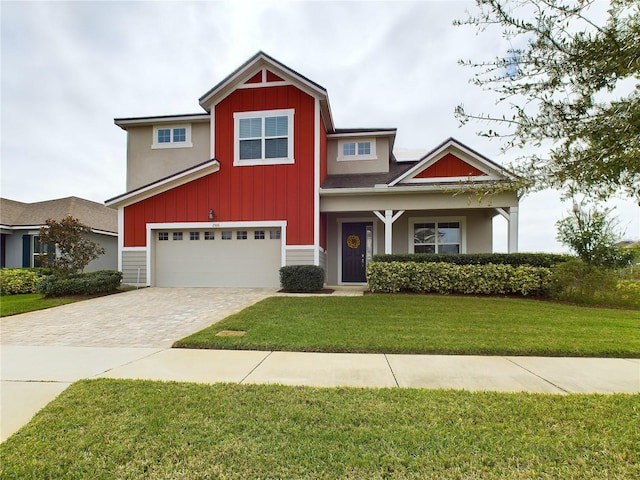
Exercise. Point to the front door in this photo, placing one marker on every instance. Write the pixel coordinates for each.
(354, 252)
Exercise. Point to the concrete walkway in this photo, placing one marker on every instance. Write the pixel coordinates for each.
(34, 374)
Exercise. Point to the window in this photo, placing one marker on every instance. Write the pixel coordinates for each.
(226, 235)
(177, 235)
(194, 235)
(241, 235)
(171, 136)
(209, 235)
(163, 236)
(264, 138)
(357, 150)
(437, 237)
(258, 235)
(274, 234)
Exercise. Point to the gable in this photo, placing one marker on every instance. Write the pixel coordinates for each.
(452, 162)
(450, 166)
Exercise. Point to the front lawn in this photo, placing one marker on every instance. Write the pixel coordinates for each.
(122, 429)
(429, 324)
(29, 302)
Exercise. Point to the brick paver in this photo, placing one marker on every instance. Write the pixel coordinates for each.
(149, 317)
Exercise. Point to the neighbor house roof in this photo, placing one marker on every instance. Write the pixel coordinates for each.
(14, 214)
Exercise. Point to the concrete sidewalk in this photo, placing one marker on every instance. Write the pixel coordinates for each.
(32, 376)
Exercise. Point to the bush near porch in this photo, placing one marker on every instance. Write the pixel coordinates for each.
(515, 259)
(14, 281)
(448, 278)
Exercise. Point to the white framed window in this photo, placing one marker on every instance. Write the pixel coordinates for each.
(274, 234)
(263, 138)
(194, 235)
(209, 235)
(162, 236)
(171, 136)
(360, 149)
(226, 235)
(258, 235)
(241, 235)
(437, 235)
(177, 235)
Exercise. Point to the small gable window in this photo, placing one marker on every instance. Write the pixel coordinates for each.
(356, 150)
(264, 138)
(172, 136)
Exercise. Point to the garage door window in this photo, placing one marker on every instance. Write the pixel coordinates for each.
(258, 235)
(241, 235)
(177, 235)
(227, 235)
(194, 235)
(209, 235)
(163, 235)
(274, 234)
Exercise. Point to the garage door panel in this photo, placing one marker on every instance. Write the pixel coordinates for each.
(217, 263)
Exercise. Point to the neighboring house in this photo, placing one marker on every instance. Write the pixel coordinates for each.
(20, 227)
(263, 178)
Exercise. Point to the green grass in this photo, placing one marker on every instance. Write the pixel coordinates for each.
(121, 429)
(428, 324)
(29, 302)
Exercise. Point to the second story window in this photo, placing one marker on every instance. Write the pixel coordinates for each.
(171, 136)
(357, 150)
(264, 138)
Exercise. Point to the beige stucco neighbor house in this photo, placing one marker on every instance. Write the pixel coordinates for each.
(20, 225)
(263, 178)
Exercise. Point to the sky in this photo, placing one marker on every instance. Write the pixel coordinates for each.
(69, 68)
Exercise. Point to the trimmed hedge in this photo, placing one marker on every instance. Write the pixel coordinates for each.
(14, 281)
(102, 281)
(301, 278)
(391, 277)
(515, 259)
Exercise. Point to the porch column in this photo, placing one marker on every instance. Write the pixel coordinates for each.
(388, 219)
(512, 220)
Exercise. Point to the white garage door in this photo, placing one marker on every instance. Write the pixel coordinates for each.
(217, 258)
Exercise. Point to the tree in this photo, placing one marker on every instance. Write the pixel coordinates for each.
(591, 234)
(73, 250)
(570, 83)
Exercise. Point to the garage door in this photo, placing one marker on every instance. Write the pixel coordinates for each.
(217, 258)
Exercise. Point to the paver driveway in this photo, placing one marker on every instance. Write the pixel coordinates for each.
(149, 317)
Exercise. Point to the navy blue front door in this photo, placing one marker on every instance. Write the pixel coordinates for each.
(354, 252)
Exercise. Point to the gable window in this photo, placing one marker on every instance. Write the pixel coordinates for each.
(263, 138)
(436, 237)
(171, 136)
(357, 150)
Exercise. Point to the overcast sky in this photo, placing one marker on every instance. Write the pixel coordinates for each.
(70, 68)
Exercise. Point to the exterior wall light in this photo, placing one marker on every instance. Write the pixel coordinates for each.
(211, 214)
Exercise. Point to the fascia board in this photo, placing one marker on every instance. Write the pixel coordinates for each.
(163, 185)
(142, 121)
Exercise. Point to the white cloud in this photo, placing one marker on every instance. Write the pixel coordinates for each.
(70, 68)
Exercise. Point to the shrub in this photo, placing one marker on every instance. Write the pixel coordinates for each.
(515, 259)
(14, 281)
(301, 278)
(446, 278)
(103, 281)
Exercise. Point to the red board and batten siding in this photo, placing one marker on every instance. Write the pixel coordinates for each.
(249, 193)
(450, 166)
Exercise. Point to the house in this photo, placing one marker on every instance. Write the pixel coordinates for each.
(263, 178)
(20, 226)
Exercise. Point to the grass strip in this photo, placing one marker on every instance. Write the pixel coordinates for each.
(427, 324)
(30, 302)
(123, 429)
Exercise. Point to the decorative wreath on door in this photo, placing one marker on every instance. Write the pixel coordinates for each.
(353, 241)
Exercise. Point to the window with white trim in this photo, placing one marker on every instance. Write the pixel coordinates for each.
(357, 150)
(209, 235)
(194, 235)
(163, 236)
(226, 235)
(241, 235)
(274, 234)
(258, 235)
(171, 136)
(436, 237)
(263, 138)
(177, 235)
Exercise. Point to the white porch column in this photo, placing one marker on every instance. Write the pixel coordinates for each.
(388, 219)
(513, 230)
(512, 220)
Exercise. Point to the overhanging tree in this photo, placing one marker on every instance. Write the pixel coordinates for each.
(569, 81)
(73, 250)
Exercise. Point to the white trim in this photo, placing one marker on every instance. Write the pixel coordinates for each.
(172, 144)
(300, 247)
(379, 133)
(262, 114)
(343, 220)
(194, 118)
(120, 236)
(159, 187)
(151, 227)
(212, 134)
(354, 158)
(493, 172)
(462, 220)
(263, 81)
(316, 182)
